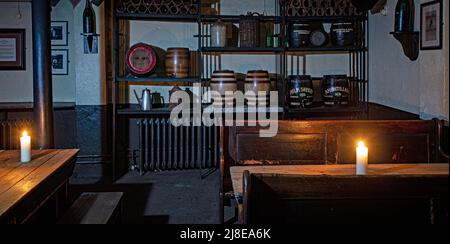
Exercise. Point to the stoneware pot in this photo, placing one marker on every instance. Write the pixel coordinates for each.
(221, 82)
(256, 81)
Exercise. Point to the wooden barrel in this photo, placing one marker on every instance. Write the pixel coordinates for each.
(301, 91)
(257, 81)
(336, 90)
(177, 62)
(223, 81)
(141, 59)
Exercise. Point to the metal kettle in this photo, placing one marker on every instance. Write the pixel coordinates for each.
(145, 102)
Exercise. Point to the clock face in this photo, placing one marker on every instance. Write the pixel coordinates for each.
(141, 59)
(318, 38)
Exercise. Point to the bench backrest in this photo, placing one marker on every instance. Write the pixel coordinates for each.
(270, 199)
(334, 142)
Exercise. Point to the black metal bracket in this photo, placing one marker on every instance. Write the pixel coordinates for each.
(410, 42)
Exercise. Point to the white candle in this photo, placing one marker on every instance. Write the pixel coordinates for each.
(25, 148)
(362, 156)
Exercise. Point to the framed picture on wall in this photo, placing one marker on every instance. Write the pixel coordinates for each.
(60, 62)
(431, 25)
(12, 49)
(59, 32)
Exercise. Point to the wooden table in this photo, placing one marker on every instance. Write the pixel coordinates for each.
(25, 188)
(336, 170)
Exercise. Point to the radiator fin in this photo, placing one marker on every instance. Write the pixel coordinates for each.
(164, 147)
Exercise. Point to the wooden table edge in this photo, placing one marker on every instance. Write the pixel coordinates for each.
(241, 168)
(70, 161)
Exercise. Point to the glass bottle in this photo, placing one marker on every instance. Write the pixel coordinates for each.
(89, 19)
(404, 16)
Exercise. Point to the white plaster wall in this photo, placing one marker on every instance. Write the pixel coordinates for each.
(434, 78)
(64, 85)
(446, 69)
(420, 86)
(394, 79)
(89, 68)
(17, 86)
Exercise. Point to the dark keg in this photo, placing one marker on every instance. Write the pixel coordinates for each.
(343, 34)
(335, 90)
(299, 35)
(301, 91)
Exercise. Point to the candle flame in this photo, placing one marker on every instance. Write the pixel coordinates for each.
(25, 133)
(361, 144)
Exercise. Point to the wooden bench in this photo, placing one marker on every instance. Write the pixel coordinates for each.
(329, 142)
(95, 208)
(300, 199)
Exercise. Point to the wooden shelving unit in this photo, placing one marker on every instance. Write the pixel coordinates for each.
(357, 61)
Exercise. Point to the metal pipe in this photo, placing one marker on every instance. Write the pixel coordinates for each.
(42, 80)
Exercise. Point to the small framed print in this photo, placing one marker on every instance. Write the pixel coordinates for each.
(12, 49)
(59, 32)
(431, 25)
(60, 62)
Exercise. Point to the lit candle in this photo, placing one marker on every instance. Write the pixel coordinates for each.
(25, 148)
(362, 155)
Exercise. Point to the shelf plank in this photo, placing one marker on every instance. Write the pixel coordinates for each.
(243, 49)
(321, 109)
(237, 18)
(281, 49)
(327, 19)
(158, 17)
(137, 113)
(134, 111)
(157, 79)
(328, 49)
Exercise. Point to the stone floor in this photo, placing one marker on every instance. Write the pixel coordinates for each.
(180, 197)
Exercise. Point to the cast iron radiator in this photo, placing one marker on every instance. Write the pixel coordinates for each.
(165, 147)
(10, 131)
